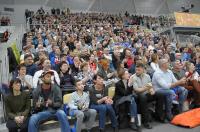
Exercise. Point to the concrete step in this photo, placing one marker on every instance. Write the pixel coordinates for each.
(3, 128)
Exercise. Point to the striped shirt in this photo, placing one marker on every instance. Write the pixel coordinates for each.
(77, 99)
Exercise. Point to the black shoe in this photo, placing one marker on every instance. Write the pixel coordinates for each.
(115, 129)
(133, 126)
(161, 120)
(169, 117)
(88, 130)
(147, 126)
(139, 129)
(101, 130)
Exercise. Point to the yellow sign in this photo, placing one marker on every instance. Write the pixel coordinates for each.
(187, 19)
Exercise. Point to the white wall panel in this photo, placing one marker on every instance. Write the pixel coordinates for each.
(148, 7)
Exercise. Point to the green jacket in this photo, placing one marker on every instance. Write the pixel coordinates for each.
(17, 105)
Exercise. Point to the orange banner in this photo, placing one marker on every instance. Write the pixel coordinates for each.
(187, 19)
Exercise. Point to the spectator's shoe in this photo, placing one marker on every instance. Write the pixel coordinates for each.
(139, 129)
(160, 119)
(89, 130)
(147, 126)
(101, 130)
(115, 129)
(169, 117)
(133, 126)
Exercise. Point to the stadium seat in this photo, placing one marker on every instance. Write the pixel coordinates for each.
(66, 98)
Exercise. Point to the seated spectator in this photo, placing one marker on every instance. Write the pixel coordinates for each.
(66, 78)
(40, 48)
(52, 53)
(26, 80)
(124, 99)
(85, 55)
(86, 75)
(116, 58)
(185, 55)
(178, 70)
(105, 70)
(128, 58)
(18, 107)
(93, 63)
(79, 105)
(99, 50)
(63, 57)
(94, 52)
(154, 62)
(198, 64)
(78, 49)
(193, 80)
(41, 57)
(76, 66)
(100, 101)
(178, 56)
(106, 54)
(70, 57)
(46, 67)
(31, 68)
(47, 101)
(26, 50)
(142, 86)
(165, 83)
(56, 58)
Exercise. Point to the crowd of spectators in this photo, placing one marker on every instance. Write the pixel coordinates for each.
(82, 53)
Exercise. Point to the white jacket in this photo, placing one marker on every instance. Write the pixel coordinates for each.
(36, 78)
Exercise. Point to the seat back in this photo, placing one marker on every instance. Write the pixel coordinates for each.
(67, 98)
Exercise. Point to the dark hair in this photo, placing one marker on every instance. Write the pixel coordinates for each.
(139, 64)
(121, 72)
(20, 66)
(83, 65)
(76, 81)
(16, 80)
(62, 63)
(154, 57)
(63, 55)
(98, 74)
(27, 56)
(124, 52)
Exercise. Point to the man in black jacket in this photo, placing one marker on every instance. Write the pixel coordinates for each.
(47, 99)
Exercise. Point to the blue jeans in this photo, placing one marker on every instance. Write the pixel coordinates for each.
(133, 109)
(182, 95)
(102, 109)
(169, 95)
(36, 118)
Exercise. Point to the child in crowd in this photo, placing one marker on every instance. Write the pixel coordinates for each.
(79, 106)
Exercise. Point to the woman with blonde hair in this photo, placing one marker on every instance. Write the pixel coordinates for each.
(154, 62)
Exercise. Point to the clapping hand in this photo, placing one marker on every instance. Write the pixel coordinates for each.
(19, 119)
(109, 101)
(49, 102)
(151, 91)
